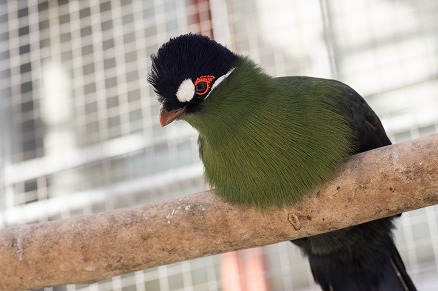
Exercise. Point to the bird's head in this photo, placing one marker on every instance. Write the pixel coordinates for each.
(185, 71)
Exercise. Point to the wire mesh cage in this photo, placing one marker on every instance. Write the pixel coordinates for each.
(79, 125)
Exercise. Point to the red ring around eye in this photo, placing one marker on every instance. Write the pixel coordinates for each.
(207, 80)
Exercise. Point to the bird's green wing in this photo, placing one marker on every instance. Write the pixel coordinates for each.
(366, 126)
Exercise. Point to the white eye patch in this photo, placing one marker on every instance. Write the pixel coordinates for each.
(185, 91)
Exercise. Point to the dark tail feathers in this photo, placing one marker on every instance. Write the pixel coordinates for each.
(389, 275)
(359, 258)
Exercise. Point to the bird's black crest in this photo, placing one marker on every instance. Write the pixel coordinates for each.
(186, 57)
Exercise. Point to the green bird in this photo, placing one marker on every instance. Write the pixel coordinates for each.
(265, 142)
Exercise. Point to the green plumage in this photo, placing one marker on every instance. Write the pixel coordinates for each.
(272, 147)
(268, 141)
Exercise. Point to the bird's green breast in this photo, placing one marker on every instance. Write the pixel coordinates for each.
(279, 145)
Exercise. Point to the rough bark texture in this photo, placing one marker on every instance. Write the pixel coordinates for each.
(87, 249)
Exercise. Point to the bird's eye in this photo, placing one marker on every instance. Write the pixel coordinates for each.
(201, 88)
(202, 84)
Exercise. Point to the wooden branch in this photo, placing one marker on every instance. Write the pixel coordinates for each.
(87, 249)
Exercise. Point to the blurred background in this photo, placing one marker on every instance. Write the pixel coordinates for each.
(79, 131)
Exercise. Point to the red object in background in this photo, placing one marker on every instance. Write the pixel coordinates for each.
(200, 18)
(244, 271)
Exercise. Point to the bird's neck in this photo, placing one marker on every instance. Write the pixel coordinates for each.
(233, 103)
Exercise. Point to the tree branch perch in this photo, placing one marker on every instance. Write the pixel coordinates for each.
(87, 249)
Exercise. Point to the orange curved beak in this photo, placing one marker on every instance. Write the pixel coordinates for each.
(167, 117)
